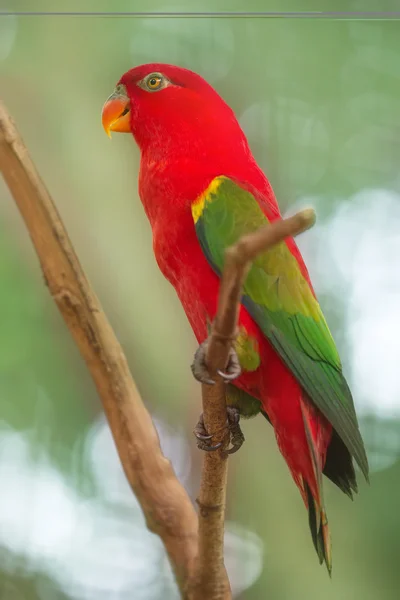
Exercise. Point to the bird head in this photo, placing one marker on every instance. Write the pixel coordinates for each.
(159, 103)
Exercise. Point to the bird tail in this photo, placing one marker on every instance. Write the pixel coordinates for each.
(314, 490)
(319, 527)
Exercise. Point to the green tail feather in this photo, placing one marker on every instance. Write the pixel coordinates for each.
(319, 530)
(316, 510)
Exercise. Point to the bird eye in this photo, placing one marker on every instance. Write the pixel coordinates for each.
(154, 82)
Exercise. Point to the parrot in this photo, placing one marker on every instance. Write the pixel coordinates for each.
(202, 190)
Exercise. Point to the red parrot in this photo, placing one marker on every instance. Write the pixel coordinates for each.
(202, 189)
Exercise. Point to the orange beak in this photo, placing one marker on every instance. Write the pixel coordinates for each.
(116, 112)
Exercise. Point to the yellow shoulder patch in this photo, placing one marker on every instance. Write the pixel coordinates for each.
(247, 351)
(206, 196)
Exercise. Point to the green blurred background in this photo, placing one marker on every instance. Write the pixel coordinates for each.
(319, 101)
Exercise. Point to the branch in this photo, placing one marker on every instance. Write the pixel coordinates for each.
(195, 548)
(167, 508)
(210, 577)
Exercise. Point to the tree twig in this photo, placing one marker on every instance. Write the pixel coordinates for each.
(210, 579)
(167, 508)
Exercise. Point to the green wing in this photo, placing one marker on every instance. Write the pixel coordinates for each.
(280, 300)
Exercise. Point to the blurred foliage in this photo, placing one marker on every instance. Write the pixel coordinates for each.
(319, 101)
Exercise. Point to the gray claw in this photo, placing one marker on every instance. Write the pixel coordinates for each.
(233, 369)
(226, 377)
(237, 437)
(200, 370)
(203, 439)
(199, 367)
(200, 436)
(207, 448)
(235, 432)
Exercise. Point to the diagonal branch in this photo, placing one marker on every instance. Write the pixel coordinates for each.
(212, 498)
(167, 508)
(194, 547)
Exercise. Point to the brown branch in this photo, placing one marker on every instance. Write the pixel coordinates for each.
(167, 508)
(195, 549)
(210, 578)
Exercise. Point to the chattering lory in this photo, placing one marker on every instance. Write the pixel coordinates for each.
(202, 189)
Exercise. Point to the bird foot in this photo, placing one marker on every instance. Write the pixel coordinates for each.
(236, 437)
(200, 370)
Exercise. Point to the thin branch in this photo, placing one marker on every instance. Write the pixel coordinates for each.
(167, 508)
(210, 570)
